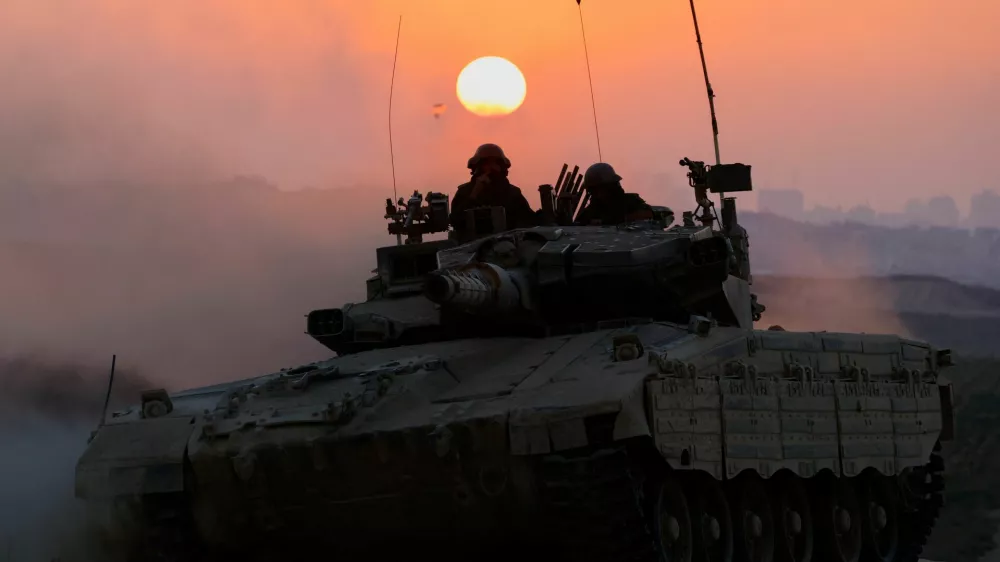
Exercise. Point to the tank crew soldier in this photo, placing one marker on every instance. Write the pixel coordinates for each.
(608, 203)
(490, 187)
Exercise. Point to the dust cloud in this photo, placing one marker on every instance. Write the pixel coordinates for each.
(823, 287)
(47, 410)
(167, 93)
(123, 230)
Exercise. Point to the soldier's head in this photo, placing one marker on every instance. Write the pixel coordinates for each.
(489, 159)
(601, 181)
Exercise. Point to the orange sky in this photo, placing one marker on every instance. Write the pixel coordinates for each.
(851, 101)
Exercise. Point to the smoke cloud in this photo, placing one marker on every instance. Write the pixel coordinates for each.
(123, 231)
(108, 90)
(829, 286)
(47, 409)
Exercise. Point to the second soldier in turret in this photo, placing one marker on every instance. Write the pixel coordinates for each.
(608, 203)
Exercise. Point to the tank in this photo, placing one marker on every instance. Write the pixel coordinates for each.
(577, 392)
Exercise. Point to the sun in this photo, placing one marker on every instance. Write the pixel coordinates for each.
(490, 86)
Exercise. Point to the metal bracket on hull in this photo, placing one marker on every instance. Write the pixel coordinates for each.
(136, 458)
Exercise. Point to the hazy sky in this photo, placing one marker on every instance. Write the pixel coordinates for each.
(851, 101)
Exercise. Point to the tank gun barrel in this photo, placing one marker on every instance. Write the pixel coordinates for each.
(478, 286)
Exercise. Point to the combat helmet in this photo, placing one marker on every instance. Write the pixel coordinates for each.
(600, 174)
(488, 150)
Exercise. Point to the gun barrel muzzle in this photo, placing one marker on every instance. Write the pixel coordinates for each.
(477, 286)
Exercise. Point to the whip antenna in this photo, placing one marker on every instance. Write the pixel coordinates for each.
(593, 104)
(107, 400)
(708, 85)
(392, 83)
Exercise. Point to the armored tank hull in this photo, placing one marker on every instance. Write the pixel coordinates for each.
(638, 441)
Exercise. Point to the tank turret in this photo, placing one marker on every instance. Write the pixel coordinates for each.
(550, 279)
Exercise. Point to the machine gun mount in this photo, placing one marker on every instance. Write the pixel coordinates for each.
(410, 218)
(721, 178)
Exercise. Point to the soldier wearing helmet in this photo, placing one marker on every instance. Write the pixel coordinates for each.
(490, 187)
(608, 203)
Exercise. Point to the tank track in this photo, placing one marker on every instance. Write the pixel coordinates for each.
(166, 532)
(594, 503)
(596, 506)
(925, 506)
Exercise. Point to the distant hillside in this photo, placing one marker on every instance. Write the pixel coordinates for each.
(782, 246)
(251, 207)
(949, 314)
(190, 286)
(201, 283)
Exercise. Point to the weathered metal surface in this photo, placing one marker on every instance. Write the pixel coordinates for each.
(143, 457)
(804, 402)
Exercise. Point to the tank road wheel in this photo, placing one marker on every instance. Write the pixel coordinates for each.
(879, 516)
(671, 519)
(753, 522)
(837, 520)
(711, 521)
(793, 521)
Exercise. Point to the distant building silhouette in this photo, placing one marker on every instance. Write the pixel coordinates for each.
(784, 202)
(936, 212)
(943, 211)
(863, 214)
(985, 210)
(822, 214)
(917, 212)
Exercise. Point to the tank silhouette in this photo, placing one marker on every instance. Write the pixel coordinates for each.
(583, 392)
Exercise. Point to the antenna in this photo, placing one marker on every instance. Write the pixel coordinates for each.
(392, 83)
(593, 104)
(107, 397)
(708, 85)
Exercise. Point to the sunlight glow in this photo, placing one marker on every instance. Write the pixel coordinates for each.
(490, 86)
